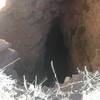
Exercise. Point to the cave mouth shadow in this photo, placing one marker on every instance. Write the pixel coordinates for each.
(58, 53)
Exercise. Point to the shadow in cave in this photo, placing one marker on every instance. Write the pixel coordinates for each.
(58, 53)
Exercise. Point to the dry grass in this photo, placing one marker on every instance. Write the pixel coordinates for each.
(89, 88)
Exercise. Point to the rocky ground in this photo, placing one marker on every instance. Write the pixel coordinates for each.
(73, 88)
(8, 57)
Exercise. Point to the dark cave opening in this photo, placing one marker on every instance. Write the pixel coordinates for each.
(56, 51)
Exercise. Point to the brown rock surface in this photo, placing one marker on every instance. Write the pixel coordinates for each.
(81, 25)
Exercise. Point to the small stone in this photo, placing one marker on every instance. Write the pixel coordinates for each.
(76, 97)
(67, 79)
(75, 77)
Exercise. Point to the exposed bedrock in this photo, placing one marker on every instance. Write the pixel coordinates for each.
(25, 24)
(65, 31)
(81, 26)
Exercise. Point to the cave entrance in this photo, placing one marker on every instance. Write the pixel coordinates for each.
(58, 53)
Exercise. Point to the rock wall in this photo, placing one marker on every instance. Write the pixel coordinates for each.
(81, 27)
(26, 24)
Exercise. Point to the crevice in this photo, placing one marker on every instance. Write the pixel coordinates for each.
(58, 53)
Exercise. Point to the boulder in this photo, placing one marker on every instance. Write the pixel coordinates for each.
(26, 24)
